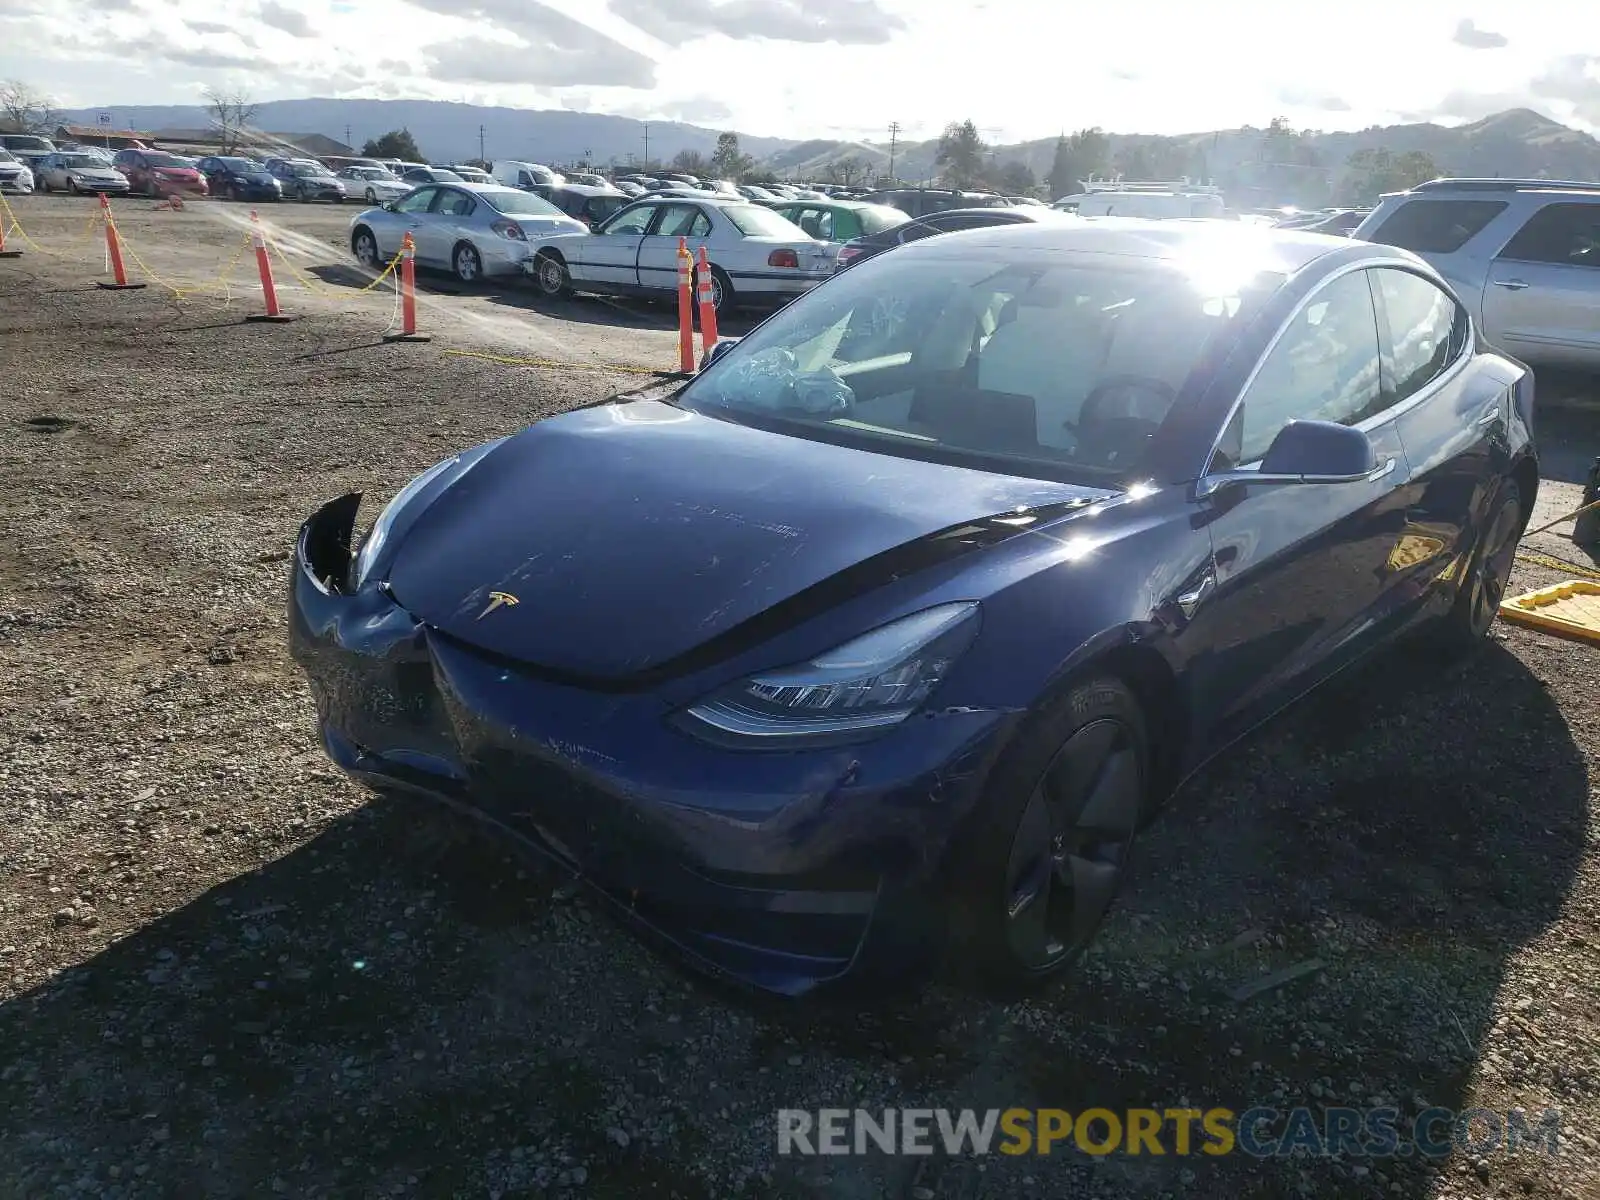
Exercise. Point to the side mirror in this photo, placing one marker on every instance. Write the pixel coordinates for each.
(388, 206)
(1308, 452)
(1324, 450)
(722, 347)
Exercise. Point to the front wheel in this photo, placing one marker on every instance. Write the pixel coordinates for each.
(372, 197)
(1053, 836)
(1488, 572)
(551, 276)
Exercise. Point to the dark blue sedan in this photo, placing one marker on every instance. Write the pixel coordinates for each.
(239, 178)
(880, 638)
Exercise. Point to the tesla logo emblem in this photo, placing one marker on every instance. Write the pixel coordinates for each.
(498, 600)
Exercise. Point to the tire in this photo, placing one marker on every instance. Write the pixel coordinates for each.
(722, 299)
(551, 276)
(42, 186)
(364, 245)
(238, 194)
(305, 196)
(1040, 865)
(1488, 571)
(372, 197)
(467, 262)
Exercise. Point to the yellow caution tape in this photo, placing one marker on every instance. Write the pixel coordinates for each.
(1552, 562)
(314, 285)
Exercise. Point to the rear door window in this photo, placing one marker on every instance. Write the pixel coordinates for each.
(1427, 329)
(1567, 234)
(1437, 226)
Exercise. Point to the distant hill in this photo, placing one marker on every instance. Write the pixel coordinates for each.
(448, 132)
(1514, 143)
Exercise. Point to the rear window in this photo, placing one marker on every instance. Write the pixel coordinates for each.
(760, 222)
(875, 218)
(599, 208)
(1437, 226)
(515, 203)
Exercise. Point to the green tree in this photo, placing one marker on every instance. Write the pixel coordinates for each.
(728, 161)
(397, 143)
(960, 157)
(1135, 165)
(1371, 172)
(1077, 157)
(1017, 179)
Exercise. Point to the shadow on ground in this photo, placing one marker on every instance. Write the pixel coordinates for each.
(400, 1007)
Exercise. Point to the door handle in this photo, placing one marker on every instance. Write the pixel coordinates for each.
(1491, 415)
(1514, 285)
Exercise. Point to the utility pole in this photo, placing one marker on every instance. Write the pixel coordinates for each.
(894, 138)
(647, 145)
(347, 140)
(481, 159)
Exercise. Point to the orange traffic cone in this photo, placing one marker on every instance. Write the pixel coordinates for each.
(408, 296)
(119, 273)
(269, 291)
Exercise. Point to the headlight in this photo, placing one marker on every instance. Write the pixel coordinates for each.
(867, 684)
(381, 529)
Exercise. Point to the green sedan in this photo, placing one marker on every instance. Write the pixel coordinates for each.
(839, 220)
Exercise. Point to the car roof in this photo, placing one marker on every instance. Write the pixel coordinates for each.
(1283, 250)
(831, 202)
(587, 189)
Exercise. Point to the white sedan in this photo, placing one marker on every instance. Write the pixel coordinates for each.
(15, 175)
(372, 184)
(757, 257)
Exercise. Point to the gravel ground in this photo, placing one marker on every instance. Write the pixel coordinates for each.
(224, 970)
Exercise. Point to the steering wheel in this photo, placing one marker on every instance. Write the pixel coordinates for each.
(1112, 438)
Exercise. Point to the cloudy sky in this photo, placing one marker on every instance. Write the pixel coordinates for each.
(839, 68)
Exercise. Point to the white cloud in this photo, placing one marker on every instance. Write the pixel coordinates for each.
(801, 68)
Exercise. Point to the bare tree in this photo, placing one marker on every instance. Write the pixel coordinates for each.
(232, 112)
(25, 109)
(845, 170)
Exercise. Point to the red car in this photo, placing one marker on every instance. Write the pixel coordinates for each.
(157, 173)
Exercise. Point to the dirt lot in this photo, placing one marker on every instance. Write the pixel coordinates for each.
(226, 971)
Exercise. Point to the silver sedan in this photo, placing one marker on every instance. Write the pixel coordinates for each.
(474, 230)
(74, 172)
(373, 184)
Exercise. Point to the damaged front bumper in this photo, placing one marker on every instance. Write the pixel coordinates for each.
(782, 871)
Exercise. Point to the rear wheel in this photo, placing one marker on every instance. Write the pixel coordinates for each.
(468, 263)
(1053, 836)
(1488, 572)
(365, 247)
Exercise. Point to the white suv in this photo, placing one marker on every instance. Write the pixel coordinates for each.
(1523, 255)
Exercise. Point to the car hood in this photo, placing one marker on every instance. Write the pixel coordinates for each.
(631, 534)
